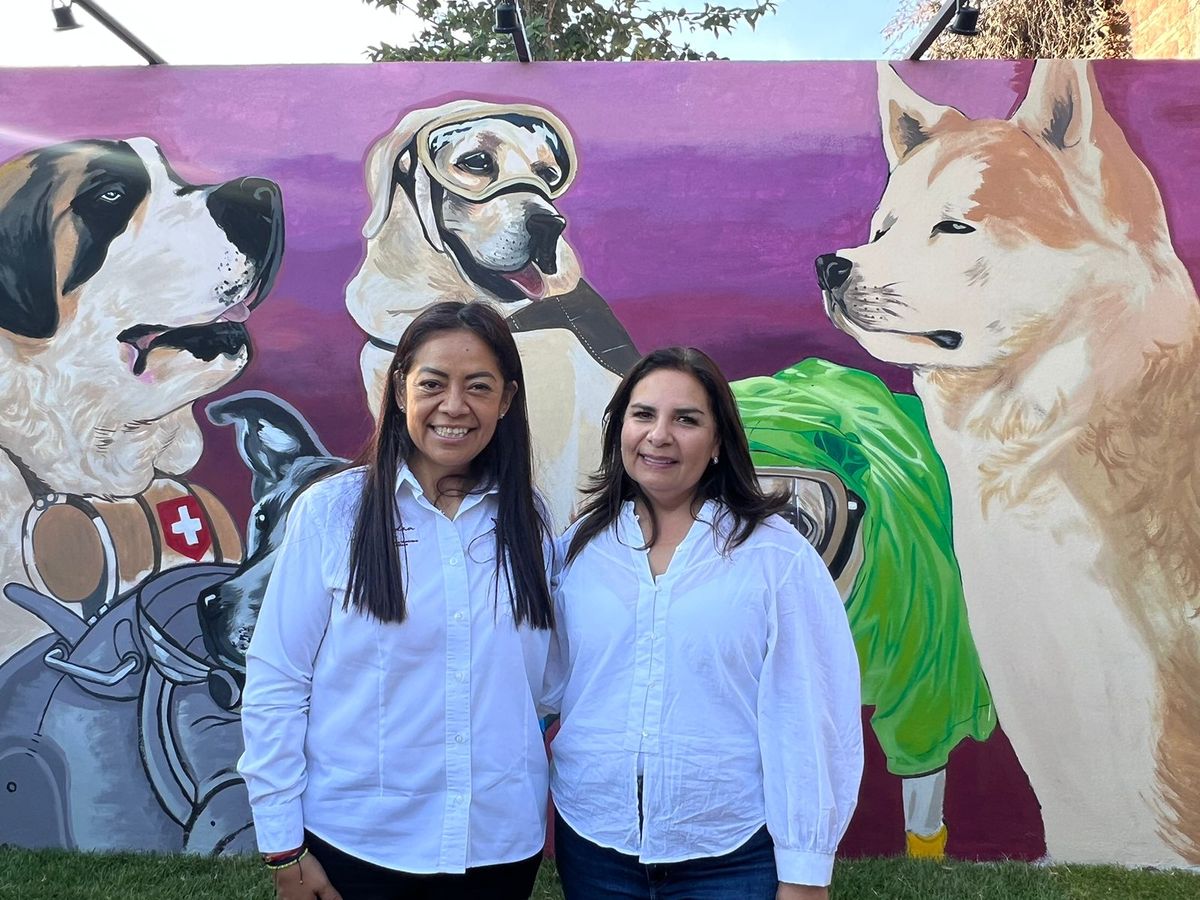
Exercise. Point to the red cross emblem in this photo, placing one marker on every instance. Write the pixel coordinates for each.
(184, 527)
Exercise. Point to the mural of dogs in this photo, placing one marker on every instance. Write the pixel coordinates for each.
(463, 209)
(123, 297)
(1023, 269)
(124, 732)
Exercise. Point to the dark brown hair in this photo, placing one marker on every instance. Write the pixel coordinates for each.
(376, 584)
(730, 481)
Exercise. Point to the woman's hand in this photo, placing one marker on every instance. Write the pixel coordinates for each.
(801, 892)
(304, 881)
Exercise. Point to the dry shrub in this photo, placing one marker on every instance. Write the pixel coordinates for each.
(1020, 29)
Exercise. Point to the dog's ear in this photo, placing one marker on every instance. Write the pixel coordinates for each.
(28, 290)
(271, 436)
(381, 164)
(392, 157)
(1062, 109)
(907, 118)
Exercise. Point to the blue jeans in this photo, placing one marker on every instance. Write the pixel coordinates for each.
(591, 872)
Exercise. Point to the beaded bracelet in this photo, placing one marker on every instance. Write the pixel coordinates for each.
(283, 860)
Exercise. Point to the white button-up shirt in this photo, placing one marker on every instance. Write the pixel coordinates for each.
(733, 678)
(414, 746)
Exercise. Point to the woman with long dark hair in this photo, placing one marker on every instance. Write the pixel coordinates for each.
(711, 745)
(392, 742)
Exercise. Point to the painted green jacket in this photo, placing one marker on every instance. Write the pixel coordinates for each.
(919, 665)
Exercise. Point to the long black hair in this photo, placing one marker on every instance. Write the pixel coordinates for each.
(730, 480)
(376, 584)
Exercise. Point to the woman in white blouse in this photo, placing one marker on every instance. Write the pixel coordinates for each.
(711, 743)
(392, 740)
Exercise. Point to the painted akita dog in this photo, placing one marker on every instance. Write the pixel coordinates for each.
(1023, 269)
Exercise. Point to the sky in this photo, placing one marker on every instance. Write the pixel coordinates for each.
(229, 32)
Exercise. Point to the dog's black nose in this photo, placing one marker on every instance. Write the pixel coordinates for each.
(545, 230)
(250, 212)
(832, 271)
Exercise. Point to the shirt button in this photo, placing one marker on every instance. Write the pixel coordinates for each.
(458, 798)
(458, 617)
(458, 739)
(454, 560)
(645, 734)
(460, 676)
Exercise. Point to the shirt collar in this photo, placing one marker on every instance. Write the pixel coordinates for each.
(405, 478)
(632, 530)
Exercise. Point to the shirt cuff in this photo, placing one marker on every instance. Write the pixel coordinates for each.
(280, 828)
(803, 867)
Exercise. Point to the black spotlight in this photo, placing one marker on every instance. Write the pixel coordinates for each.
(64, 18)
(506, 18)
(966, 20)
(509, 21)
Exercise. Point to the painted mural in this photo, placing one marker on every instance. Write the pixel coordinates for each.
(982, 396)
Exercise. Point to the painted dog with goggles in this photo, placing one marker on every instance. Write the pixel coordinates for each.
(463, 208)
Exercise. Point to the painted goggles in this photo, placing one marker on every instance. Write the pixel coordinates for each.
(532, 117)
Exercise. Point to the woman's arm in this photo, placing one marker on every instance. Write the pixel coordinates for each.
(279, 665)
(810, 725)
(801, 892)
(555, 676)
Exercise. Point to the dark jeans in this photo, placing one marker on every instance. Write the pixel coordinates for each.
(359, 880)
(591, 872)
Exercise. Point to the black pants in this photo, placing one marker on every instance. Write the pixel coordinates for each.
(359, 880)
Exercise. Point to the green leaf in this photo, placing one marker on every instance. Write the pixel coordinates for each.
(563, 29)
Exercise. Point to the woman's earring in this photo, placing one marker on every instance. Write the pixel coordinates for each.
(714, 460)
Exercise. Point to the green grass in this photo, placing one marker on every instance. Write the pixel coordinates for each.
(58, 875)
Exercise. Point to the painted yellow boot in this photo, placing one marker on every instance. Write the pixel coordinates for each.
(922, 847)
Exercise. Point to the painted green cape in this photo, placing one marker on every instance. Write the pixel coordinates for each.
(920, 668)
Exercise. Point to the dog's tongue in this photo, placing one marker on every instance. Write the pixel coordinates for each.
(529, 280)
(239, 312)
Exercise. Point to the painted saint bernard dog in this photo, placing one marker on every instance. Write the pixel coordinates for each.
(124, 293)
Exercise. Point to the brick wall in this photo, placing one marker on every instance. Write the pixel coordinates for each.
(1164, 28)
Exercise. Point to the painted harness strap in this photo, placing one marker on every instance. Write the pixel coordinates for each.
(86, 551)
(584, 313)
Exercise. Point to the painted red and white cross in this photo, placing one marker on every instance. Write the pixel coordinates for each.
(184, 528)
(189, 526)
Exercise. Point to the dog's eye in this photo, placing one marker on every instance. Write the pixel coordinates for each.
(260, 519)
(477, 163)
(951, 227)
(548, 174)
(112, 195)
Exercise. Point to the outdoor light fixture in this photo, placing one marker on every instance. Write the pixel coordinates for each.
(509, 21)
(965, 22)
(64, 20)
